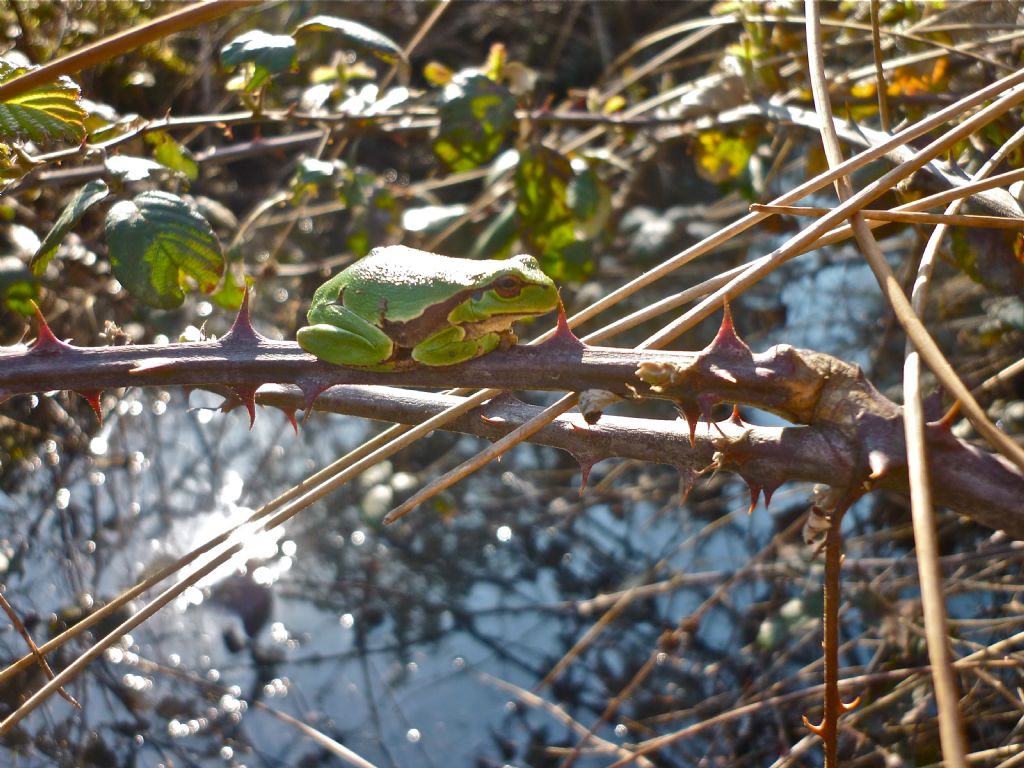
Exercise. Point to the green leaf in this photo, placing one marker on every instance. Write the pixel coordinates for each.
(590, 201)
(721, 157)
(128, 168)
(495, 242)
(545, 218)
(475, 121)
(84, 199)
(231, 292)
(17, 286)
(269, 54)
(360, 38)
(155, 240)
(45, 113)
(173, 155)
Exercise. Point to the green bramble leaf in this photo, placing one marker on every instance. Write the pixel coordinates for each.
(45, 113)
(476, 119)
(546, 222)
(360, 38)
(156, 240)
(90, 194)
(18, 289)
(268, 54)
(173, 155)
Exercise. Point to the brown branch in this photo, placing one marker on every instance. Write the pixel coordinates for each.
(852, 431)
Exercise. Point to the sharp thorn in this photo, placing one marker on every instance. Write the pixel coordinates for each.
(727, 341)
(755, 494)
(735, 418)
(92, 397)
(563, 334)
(817, 730)
(585, 468)
(844, 707)
(247, 394)
(46, 342)
(290, 415)
(879, 464)
(241, 329)
(947, 421)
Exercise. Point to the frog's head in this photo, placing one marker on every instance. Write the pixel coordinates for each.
(513, 288)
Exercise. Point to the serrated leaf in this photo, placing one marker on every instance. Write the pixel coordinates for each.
(156, 239)
(358, 36)
(45, 113)
(90, 194)
(128, 168)
(475, 121)
(173, 155)
(269, 54)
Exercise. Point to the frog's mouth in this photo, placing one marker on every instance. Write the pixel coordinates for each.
(408, 333)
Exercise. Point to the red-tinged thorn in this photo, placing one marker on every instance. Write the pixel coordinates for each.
(46, 342)
(735, 418)
(726, 341)
(844, 707)
(92, 397)
(692, 416)
(878, 462)
(585, 467)
(817, 730)
(769, 490)
(755, 494)
(309, 396)
(241, 329)
(947, 421)
(563, 333)
(247, 394)
(290, 415)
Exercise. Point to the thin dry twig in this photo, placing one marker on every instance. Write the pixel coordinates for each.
(19, 626)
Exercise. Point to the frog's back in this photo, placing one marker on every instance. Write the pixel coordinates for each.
(396, 281)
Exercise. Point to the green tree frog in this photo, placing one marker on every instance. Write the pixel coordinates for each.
(398, 304)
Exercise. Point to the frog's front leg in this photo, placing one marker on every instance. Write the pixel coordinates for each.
(340, 336)
(451, 346)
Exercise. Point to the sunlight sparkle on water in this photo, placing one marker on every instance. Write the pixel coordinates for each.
(413, 735)
(504, 533)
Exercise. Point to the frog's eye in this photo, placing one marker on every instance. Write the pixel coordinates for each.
(508, 287)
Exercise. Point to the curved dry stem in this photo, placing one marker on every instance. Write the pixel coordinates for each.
(117, 45)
